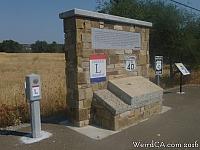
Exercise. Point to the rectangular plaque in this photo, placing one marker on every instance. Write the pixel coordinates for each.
(97, 68)
(130, 63)
(182, 69)
(112, 39)
(36, 91)
(158, 65)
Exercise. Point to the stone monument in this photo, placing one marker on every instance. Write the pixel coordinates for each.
(107, 62)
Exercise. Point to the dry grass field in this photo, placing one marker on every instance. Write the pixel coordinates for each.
(51, 67)
(14, 68)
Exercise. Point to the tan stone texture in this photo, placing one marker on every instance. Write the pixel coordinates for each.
(108, 121)
(142, 60)
(118, 27)
(78, 48)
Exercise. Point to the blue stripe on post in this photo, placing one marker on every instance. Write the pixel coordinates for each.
(94, 80)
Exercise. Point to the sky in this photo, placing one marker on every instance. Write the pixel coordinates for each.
(26, 21)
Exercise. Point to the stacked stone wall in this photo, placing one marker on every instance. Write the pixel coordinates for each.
(105, 119)
(78, 49)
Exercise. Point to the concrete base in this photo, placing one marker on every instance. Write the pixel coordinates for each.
(29, 140)
(98, 133)
(95, 132)
(90, 131)
(126, 101)
(181, 93)
(165, 109)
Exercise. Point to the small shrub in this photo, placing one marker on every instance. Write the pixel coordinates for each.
(12, 115)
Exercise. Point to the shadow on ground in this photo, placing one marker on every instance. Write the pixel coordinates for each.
(13, 133)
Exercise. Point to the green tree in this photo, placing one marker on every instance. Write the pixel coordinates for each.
(39, 47)
(10, 46)
(173, 33)
(44, 47)
(166, 35)
(124, 8)
(55, 48)
(1, 47)
(191, 39)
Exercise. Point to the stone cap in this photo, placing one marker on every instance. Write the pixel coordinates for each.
(135, 90)
(96, 15)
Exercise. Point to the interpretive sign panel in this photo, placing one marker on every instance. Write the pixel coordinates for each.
(182, 69)
(97, 68)
(113, 39)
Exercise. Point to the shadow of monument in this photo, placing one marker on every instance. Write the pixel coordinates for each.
(167, 92)
(55, 119)
(13, 133)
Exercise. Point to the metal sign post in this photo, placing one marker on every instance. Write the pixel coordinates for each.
(33, 94)
(183, 72)
(158, 80)
(158, 68)
(181, 82)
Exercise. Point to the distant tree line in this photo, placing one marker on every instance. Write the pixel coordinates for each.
(10, 46)
(44, 47)
(175, 33)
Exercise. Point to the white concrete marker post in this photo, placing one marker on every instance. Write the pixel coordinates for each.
(35, 119)
(33, 94)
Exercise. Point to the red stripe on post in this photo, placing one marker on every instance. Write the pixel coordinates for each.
(97, 56)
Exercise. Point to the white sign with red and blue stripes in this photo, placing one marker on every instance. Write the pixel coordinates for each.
(97, 68)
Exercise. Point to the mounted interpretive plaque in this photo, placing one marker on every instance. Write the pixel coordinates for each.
(112, 39)
(97, 68)
(182, 69)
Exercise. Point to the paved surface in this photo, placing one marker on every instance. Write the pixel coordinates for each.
(181, 125)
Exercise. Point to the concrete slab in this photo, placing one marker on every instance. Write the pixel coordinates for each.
(137, 90)
(29, 140)
(165, 109)
(90, 131)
